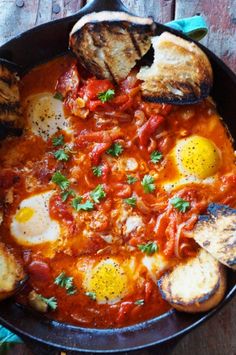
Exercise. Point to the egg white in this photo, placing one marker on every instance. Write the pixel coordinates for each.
(32, 224)
(45, 115)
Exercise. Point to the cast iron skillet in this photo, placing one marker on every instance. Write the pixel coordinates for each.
(39, 45)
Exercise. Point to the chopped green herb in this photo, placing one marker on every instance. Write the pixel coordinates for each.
(65, 282)
(97, 170)
(156, 157)
(106, 95)
(139, 302)
(61, 155)
(147, 183)
(51, 302)
(86, 206)
(58, 96)
(98, 193)
(57, 141)
(131, 179)
(131, 201)
(71, 291)
(180, 204)
(65, 194)
(91, 295)
(149, 248)
(59, 179)
(76, 201)
(115, 150)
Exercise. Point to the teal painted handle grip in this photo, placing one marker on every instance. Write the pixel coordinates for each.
(195, 27)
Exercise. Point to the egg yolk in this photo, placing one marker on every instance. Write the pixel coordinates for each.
(108, 281)
(24, 214)
(197, 156)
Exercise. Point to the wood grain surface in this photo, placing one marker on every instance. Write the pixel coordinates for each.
(217, 336)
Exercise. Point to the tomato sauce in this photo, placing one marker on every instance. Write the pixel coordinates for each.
(131, 130)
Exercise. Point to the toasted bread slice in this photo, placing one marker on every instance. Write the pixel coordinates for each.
(109, 43)
(196, 285)
(11, 273)
(10, 112)
(216, 232)
(181, 73)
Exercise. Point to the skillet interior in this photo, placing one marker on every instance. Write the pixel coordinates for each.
(39, 45)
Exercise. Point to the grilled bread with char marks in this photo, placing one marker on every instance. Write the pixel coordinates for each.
(11, 273)
(216, 232)
(10, 111)
(181, 72)
(197, 285)
(109, 43)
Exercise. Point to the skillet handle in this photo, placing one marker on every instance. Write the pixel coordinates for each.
(102, 5)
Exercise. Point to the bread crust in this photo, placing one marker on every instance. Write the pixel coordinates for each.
(11, 273)
(216, 233)
(109, 47)
(208, 285)
(181, 72)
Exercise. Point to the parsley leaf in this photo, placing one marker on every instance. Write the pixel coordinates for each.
(65, 282)
(131, 201)
(65, 194)
(76, 201)
(51, 302)
(59, 179)
(156, 156)
(147, 183)
(106, 95)
(180, 204)
(61, 155)
(115, 150)
(98, 193)
(86, 206)
(149, 248)
(71, 291)
(57, 141)
(91, 295)
(97, 170)
(139, 302)
(131, 179)
(58, 96)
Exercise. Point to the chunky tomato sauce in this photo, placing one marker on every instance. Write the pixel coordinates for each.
(115, 206)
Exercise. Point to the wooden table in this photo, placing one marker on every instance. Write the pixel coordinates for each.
(217, 336)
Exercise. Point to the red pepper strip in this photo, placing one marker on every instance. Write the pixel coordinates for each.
(98, 137)
(166, 109)
(148, 291)
(121, 190)
(97, 151)
(124, 309)
(170, 234)
(105, 171)
(149, 128)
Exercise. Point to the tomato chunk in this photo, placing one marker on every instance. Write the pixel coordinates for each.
(39, 270)
(95, 87)
(68, 82)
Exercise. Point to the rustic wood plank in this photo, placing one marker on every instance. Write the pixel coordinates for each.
(14, 20)
(162, 10)
(221, 18)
